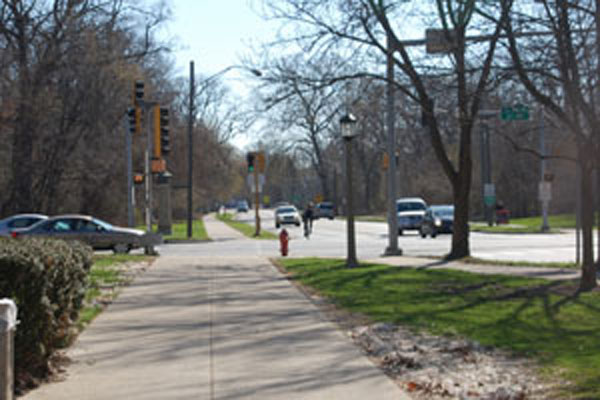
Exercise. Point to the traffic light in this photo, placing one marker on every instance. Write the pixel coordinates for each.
(161, 132)
(134, 116)
(250, 159)
(138, 91)
(165, 143)
(131, 119)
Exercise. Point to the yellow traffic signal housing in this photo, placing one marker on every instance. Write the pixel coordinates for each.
(385, 161)
(260, 158)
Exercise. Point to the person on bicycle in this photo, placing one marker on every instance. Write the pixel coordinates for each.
(307, 219)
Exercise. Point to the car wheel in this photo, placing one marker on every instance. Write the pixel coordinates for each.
(433, 233)
(331, 218)
(121, 248)
(297, 223)
(400, 232)
(277, 225)
(423, 234)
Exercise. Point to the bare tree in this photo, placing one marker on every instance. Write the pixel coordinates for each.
(561, 70)
(354, 27)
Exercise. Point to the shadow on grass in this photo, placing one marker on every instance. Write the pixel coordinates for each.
(550, 320)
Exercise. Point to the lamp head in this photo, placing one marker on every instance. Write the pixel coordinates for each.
(348, 124)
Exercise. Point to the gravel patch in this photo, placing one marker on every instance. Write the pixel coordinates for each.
(432, 367)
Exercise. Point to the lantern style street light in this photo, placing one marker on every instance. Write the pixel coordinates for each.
(348, 128)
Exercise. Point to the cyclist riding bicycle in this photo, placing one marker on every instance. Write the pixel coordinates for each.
(307, 219)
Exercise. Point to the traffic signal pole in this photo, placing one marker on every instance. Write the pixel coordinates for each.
(190, 151)
(256, 202)
(128, 149)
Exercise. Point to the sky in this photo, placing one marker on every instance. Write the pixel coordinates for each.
(215, 33)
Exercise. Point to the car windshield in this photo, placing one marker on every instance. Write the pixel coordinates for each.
(103, 224)
(410, 206)
(326, 206)
(443, 211)
(285, 210)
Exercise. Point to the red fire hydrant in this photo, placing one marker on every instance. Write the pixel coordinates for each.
(284, 239)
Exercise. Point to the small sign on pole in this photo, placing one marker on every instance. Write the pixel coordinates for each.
(489, 194)
(545, 191)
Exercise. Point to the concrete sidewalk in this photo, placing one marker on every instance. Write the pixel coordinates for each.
(195, 327)
(489, 269)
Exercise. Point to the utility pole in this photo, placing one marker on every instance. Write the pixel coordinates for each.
(147, 106)
(545, 227)
(190, 151)
(392, 216)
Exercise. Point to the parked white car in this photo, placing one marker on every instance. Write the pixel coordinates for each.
(411, 211)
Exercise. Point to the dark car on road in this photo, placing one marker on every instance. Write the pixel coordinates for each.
(98, 234)
(242, 206)
(18, 221)
(324, 210)
(437, 219)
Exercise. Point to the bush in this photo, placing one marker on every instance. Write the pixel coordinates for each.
(47, 280)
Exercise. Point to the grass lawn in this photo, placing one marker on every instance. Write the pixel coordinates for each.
(179, 230)
(535, 318)
(246, 229)
(529, 224)
(107, 276)
(545, 264)
(517, 225)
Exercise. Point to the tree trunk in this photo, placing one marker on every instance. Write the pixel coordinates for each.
(460, 236)
(588, 269)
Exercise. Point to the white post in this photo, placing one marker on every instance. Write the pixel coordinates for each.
(8, 322)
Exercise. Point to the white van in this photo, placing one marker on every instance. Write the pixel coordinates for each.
(411, 211)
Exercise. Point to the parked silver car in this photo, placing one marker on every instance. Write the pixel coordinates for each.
(98, 234)
(18, 221)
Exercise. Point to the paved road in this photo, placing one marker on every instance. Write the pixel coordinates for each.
(214, 323)
(329, 239)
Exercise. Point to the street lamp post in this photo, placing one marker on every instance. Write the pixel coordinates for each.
(348, 123)
(191, 118)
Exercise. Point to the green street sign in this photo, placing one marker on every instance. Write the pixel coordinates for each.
(489, 200)
(518, 112)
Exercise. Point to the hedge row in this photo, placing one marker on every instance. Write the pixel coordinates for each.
(47, 279)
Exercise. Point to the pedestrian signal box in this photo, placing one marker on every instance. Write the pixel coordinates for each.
(138, 179)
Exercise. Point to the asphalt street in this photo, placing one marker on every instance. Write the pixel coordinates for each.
(329, 240)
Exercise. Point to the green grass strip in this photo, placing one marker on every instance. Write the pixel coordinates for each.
(246, 229)
(105, 278)
(179, 230)
(533, 317)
